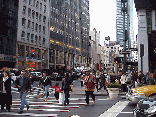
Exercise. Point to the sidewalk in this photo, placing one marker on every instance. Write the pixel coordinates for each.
(81, 91)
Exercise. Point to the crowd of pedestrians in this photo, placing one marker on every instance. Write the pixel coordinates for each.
(91, 81)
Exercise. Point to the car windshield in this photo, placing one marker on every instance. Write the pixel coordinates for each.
(38, 74)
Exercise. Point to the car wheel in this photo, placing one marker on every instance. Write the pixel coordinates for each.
(135, 113)
(152, 96)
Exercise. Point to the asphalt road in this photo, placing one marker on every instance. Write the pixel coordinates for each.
(103, 107)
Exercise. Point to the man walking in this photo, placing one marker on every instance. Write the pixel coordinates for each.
(23, 83)
(46, 82)
(89, 82)
(66, 82)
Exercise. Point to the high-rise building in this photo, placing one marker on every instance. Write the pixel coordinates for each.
(128, 22)
(8, 32)
(146, 11)
(69, 34)
(32, 48)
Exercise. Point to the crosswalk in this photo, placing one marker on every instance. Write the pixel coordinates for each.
(39, 107)
(51, 107)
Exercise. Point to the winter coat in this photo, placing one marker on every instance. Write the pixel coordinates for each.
(123, 79)
(66, 82)
(26, 83)
(86, 80)
(45, 81)
(6, 98)
(57, 88)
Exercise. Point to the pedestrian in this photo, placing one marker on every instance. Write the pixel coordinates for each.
(23, 83)
(123, 82)
(66, 82)
(5, 95)
(141, 76)
(57, 90)
(108, 78)
(81, 79)
(147, 78)
(102, 81)
(46, 82)
(89, 82)
(97, 79)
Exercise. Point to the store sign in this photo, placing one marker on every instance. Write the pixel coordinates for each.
(1, 57)
(10, 58)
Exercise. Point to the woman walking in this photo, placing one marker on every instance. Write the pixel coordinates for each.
(5, 97)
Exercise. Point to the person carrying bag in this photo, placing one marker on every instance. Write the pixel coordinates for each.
(66, 82)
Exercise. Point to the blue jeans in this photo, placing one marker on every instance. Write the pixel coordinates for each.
(45, 90)
(23, 101)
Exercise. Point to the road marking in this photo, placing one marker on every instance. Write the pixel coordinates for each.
(115, 109)
(126, 112)
(30, 114)
(43, 109)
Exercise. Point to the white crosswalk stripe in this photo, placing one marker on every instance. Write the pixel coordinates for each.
(37, 105)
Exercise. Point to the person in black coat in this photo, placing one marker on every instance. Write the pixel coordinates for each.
(5, 95)
(46, 82)
(66, 82)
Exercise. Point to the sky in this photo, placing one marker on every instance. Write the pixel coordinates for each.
(103, 18)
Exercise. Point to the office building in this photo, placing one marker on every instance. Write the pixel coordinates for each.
(69, 34)
(32, 48)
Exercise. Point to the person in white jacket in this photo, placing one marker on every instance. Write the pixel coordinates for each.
(123, 82)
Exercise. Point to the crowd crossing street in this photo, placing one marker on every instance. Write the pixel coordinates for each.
(103, 107)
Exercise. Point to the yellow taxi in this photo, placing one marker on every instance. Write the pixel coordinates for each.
(143, 92)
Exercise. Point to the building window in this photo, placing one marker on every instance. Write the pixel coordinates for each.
(40, 16)
(43, 30)
(30, 2)
(28, 37)
(34, 3)
(22, 35)
(37, 5)
(39, 28)
(25, 1)
(32, 38)
(44, 19)
(33, 14)
(32, 26)
(36, 27)
(29, 12)
(44, 8)
(36, 15)
(23, 21)
(40, 6)
(29, 24)
(24, 10)
(39, 40)
(36, 38)
(43, 41)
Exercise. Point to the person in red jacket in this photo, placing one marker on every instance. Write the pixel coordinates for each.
(89, 82)
(57, 90)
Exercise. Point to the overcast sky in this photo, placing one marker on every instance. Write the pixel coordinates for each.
(103, 18)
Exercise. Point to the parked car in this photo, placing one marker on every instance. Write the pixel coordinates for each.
(35, 76)
(56, 77)
(143, 92)
(145, 108)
